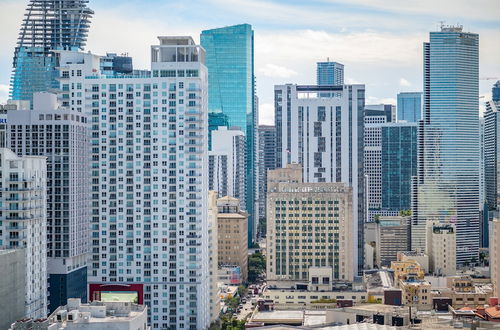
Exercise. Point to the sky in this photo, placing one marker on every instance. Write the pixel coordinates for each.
(378, 41)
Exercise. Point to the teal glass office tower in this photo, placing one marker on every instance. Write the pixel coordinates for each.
(409, 106)
(449, 155)
(399, 164)
(231, 91)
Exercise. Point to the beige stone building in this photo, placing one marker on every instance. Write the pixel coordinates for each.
(441, 248)
(391, 236)
(495, 256)
(308, 225)
(232, 227)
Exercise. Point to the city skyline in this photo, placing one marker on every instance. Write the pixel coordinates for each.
(282, 49)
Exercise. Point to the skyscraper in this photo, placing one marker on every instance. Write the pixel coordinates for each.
(226, 164)
(398, 164)
(375, 117)
(329, 73)
(24, 222)
(325, 135)
(149, 156)
(231, 83)
(61, 135)
(496, 92)
(267, 161)
(448, 183)
(409, 106)
(47, 26)
(491, 151)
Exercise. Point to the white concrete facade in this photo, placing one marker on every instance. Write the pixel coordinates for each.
(325, 135)
(24, 222)
(149, 138)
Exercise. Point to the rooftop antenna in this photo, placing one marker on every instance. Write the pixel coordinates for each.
(441, 25)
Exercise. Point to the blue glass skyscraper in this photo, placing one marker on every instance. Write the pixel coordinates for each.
(329, 73)
(399, 164)
(496, 92)
(47, 26)
(409, 106)
(448, 172)
(231, 91)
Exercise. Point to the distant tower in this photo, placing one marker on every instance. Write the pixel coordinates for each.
(329, 73)
(47, 25)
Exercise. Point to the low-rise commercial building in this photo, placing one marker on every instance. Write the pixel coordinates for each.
(93, 316)
(462, 291)
(416, 292)
(420, 257)
(403, 270)
(319, 289)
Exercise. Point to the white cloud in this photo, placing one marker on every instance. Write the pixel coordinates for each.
(4, 93)
(404, 83)
(477, 9)
(376, 100)
(276, 71)
(266, 114)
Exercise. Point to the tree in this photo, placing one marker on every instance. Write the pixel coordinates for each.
(256, 266)
(242, 290)
(232, 324)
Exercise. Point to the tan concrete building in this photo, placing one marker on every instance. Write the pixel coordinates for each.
(441, 248)
(308, 225)
(464, 292)
(416, 292)
(213, 260)
(232, 226)
(404, 270)
(420, 257)
(495, 256)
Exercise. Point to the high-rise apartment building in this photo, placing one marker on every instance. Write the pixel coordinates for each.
(149, 156)
(398, 164)
(409, 106)
(226, 163)
(491, 152)
(309, 225)
(213, 248)
(232, 227)
(325, 135)
(23, 212)
(329, 73)
(448, 183)
(47, 25)
(267, 161)
(231, 83)
(61, 135)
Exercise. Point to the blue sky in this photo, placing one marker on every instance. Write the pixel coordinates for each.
(379, 41)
